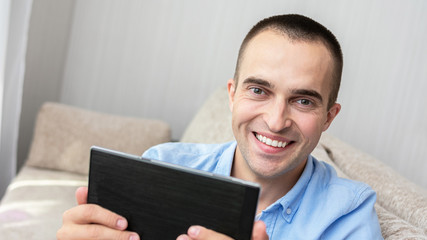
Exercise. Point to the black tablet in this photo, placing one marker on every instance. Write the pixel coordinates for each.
(162, 200)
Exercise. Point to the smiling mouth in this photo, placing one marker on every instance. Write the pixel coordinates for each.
(270, 142)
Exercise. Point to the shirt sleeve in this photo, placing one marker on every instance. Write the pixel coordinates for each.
(151, 153)
(360, 223)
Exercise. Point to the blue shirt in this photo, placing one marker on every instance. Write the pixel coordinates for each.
(319, 206)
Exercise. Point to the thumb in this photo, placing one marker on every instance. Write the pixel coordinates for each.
(259, 231)
(202, 233)
(81, 195)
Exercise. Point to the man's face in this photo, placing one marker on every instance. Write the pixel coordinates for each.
(279, 105)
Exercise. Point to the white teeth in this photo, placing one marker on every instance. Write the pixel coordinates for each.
(274, 143)
(270, 142)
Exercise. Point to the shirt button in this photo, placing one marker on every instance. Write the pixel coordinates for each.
(288, 211)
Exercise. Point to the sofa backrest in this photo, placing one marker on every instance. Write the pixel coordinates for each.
(212, 123)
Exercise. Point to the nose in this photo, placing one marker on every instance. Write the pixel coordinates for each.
(277, 116)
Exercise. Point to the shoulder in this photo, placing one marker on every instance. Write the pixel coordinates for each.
(340, 192)
(194, 155)
(339, 208)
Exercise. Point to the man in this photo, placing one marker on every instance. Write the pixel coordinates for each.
(282, 97)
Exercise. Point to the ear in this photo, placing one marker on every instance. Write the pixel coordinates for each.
(231, 87)
(332, 113)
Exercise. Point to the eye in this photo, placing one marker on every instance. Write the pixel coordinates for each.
(305, 102)
(257, 91)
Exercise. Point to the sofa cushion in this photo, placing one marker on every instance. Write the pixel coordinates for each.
(395, 228)
(395, 193)
(212, 123)
(33, 204)
(64, 134)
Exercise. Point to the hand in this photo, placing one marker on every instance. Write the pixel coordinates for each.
(90, 221)
(202, 233)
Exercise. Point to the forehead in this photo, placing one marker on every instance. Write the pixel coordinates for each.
(274, 57)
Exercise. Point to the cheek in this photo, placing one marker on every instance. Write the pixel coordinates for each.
(239, 116)
(244, 111)
(310, 125)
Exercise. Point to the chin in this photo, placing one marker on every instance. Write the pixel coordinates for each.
(270, 170)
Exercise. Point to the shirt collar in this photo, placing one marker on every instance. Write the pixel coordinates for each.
(225, 162)
(291, 201)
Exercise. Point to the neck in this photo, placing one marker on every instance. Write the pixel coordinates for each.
(272, 188)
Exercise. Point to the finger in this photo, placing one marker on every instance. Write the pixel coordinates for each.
(259, 231)
(81, 195)
(202, 233)
(183, 237)
(94, 214)
(93, 231)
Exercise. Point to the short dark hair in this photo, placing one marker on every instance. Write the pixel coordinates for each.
(300, 28)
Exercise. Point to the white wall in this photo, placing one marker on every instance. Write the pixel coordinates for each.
(47, 50)
(161, 59)
(7, 167)
(14, 21)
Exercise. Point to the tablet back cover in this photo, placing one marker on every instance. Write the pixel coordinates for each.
(161, 201)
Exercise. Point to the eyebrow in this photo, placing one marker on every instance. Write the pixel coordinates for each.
(307, 92)
(258, 81)
(303, 92)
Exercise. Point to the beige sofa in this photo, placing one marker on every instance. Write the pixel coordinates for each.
(58, 163)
